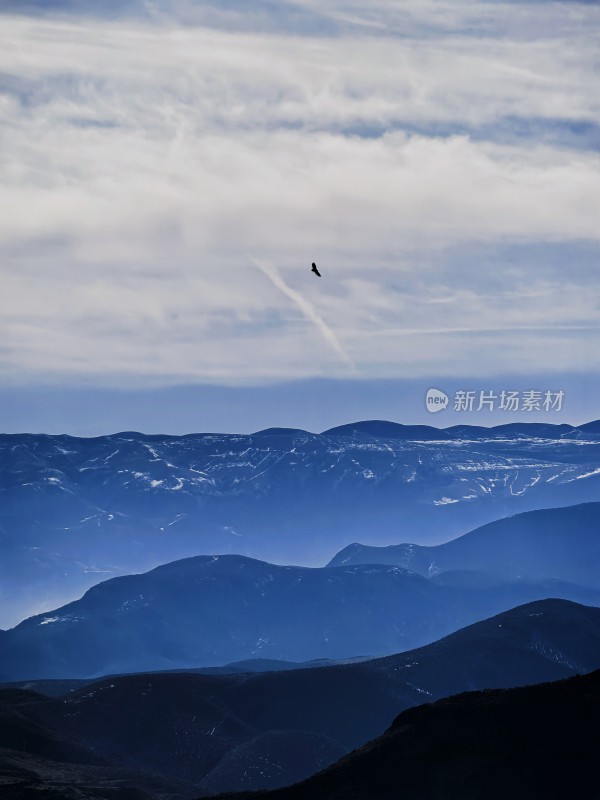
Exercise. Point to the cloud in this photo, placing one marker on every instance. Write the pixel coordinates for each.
(424, 153)
(306, 308)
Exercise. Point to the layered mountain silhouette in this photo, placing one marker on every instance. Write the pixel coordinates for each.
(558, 543)
(75, 511)
(210, 734)
(533, 743)
(55, 687)
(212, 610)
(37, 761)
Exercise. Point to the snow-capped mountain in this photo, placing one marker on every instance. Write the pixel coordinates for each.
(73, 511)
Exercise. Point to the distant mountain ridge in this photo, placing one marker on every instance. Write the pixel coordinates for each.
(395, 430)
(76, 510)
(385, 429)
(258, 730)
(558, 543)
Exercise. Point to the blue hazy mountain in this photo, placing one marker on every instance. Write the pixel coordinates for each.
(559, 543)
(77, 510)
(212, 610)
(381, 429)
(55, 687)
(231, 732)
(529, 743)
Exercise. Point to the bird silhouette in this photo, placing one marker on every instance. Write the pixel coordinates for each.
(315, 270)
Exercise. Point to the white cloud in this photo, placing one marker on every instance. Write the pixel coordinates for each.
(306, 308)
(141, 163)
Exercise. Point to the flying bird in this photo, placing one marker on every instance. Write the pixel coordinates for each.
(315, 270)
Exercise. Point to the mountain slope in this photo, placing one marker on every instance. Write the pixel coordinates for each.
(76, 510)
(232, 732)
(211, 610)
(557, 543)
(534, 743)
(39, 761)
(208, 611)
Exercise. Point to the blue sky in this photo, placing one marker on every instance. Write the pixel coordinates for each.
(168, 171)
(311, 404)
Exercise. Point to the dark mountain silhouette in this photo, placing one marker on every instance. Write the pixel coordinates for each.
(558, 543)
(212, 733)
(212, 610)
(75, 511)
(526, 430)
(389, 430)
(39, 762)
(271, 759)
(239, 731)
(55, 687)
(282, 432)
(533, 743)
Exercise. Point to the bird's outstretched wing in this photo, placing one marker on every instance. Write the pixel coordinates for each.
(315, 270)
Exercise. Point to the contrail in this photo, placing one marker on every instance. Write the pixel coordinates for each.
(306, 308)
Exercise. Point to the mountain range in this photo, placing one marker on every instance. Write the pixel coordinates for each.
(557, 543)
(76, 510)
(211, 610)
(208, 611)
(206, 734)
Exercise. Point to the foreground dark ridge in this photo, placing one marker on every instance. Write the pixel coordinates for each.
(534, 743)
(260, 731)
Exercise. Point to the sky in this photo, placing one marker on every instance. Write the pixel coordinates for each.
(169, 171)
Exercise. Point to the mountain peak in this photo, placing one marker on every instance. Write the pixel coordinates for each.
(384, 429)
(282, 432)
